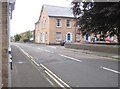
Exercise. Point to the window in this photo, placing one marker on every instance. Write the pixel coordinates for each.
(58, 23)
(46, 36)
(68, 23)
(58, 36)
(44, 23)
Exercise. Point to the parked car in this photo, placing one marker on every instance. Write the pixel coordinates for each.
(107, 40)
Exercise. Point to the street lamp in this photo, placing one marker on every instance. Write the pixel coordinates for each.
(11, 7)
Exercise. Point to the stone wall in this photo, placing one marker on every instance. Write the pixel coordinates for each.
(112, 49)
(4, 41)
(0, 45)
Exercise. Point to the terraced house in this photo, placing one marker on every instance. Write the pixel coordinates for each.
(6, 8)
(54, 25)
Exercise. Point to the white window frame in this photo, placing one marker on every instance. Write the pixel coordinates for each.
(58, 38)
(69, 23)
(46, 36)
(59, 23)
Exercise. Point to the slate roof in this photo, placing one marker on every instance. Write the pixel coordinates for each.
(57, 11)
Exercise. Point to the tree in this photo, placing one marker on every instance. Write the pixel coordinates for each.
(99, 17)
(28, 35)
(17, 37)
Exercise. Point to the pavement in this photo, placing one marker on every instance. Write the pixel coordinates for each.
(103, 54)
(24, 73)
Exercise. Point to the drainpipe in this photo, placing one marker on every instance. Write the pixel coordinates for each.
(75, 28)
(11, 8)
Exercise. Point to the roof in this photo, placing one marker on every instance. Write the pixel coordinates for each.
(57, 11)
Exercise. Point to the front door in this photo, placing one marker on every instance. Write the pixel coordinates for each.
(68, 37)
(87, 35)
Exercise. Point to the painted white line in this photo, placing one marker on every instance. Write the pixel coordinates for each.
(48, 51)
(31, 57)
(36, 63)
(45, 50)
(70, 58)
(110, 70)
(54, 79)
(28, 56)
(50, 81)
(52, 47)
(20, 62)
(55, 76)
(40, 49)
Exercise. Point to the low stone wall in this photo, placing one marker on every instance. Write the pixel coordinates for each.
(112, 49)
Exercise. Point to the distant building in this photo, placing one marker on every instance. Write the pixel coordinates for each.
(32, 36)
(54, 25)
(6, 9)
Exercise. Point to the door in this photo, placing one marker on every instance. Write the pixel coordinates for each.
(68, 37)
(87, 35)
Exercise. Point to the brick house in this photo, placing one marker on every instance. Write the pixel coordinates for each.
(6, 8)
(54, 25)
(95, 37)
(32, 34)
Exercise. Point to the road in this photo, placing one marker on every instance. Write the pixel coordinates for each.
(65, 68)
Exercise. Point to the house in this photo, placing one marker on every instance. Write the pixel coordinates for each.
(54, 25)
(95, 37)
(6, 6)
(28, 36)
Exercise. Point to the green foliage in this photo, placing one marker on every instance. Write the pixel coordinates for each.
(28, 35)
(17, 37)
(98, 17)
(26, 40)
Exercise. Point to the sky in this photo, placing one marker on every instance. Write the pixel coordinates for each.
(27, 12)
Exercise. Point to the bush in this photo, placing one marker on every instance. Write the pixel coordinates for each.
(26, 40)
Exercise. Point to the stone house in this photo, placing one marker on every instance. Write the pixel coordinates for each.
(54, 25)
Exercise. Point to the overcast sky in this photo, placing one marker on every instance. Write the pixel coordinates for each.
(27, 12)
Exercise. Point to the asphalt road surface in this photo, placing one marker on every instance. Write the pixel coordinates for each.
(57, 66)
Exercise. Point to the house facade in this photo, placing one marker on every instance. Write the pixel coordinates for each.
(55, 24)
(95, 37)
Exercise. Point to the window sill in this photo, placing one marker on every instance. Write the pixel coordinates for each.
(69, 27)
(58, 26)
(58, 40)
